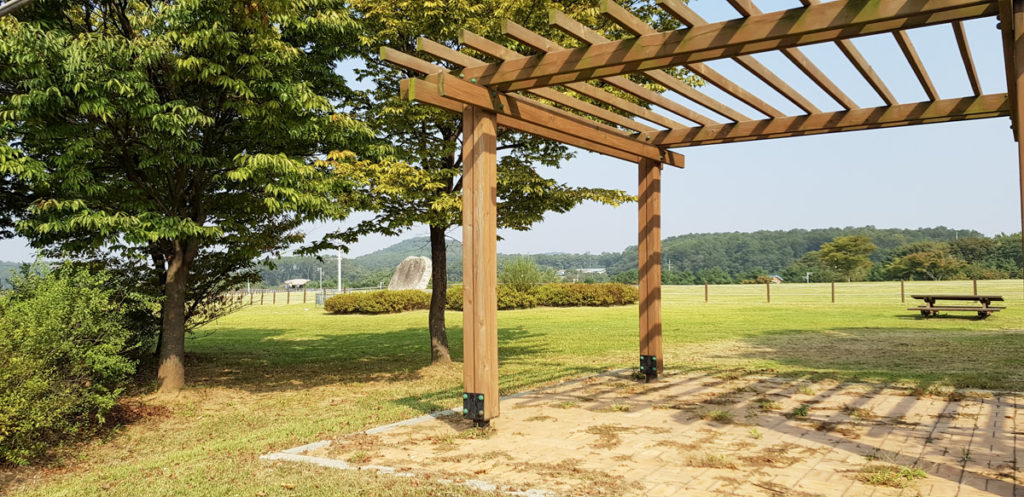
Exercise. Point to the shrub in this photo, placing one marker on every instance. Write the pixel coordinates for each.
(62, 363)
(382, 302)
(576, 294)
(522, 274)
(508, 298)
(556, 295)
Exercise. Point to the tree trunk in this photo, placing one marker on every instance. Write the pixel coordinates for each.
(438, 296)
(171, 372)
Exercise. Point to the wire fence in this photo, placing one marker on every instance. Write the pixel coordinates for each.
(316, 296)
(880, 292)
(875, 292)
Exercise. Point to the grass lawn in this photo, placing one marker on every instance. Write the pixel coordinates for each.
(273, 377)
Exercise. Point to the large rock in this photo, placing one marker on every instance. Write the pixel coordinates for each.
(412, 274)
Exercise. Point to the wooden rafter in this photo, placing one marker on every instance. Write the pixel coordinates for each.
(965, 55)
(538, 42)
(817, 23)
(907, 47)
(460, 59)
(500, 52)
(637, 26)
(430, 96)
(748, 62)
(452, 87)
(797, 57)
(954, 109)
(589, 36)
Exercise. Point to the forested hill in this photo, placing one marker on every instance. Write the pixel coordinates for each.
(5, 272)
(717, 257)
(773, 251)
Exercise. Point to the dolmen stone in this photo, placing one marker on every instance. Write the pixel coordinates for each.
(412, 274)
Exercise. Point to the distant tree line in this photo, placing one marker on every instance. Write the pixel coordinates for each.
(830, 254)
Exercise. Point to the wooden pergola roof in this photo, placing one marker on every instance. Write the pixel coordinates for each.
(531, 92)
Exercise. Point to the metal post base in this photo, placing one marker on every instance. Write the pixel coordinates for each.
(649, 367)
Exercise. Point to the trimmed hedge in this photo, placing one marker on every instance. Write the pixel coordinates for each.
(550, 295)
(586, 294)
(380, 302)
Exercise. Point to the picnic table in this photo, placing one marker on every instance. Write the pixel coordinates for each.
(931, 309)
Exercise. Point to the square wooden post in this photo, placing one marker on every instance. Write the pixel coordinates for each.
(1018, 91)
(649, 265)
(480, 264)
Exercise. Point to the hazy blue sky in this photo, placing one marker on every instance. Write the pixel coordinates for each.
(961, 175)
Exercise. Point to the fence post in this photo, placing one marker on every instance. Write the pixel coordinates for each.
(975, 287)
(768, 287)
(288, 296)
(303, 295)
(903, 296)
(262, 293)
(273, 296)
(833, 292)
(705, 292)
(251, 297)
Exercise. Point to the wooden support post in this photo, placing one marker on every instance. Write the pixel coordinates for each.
(480, 263)
(903, 295)
(705, 292)
(273, 296)
(1017, 91)
(262, 294)
(252, 297)
(768, 290)
(303, 295)
(833, 292)
(975, 287)
(288, 296)
(649, 262)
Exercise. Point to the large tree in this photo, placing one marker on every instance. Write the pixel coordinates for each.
(848, 255)
(422, 185)
(178, 138)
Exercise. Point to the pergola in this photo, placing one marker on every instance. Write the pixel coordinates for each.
(530, 93)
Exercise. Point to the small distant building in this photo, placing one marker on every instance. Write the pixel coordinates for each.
(776, 278)
(593, 270)
(296, 283)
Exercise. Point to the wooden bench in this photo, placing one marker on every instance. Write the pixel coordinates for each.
(984, 310)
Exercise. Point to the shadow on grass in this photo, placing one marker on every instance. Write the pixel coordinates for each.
(262, 360)
(959, 358)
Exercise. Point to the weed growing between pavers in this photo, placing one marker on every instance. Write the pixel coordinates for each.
(889, 475)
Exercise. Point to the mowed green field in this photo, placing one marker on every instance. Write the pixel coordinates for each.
(272, 377)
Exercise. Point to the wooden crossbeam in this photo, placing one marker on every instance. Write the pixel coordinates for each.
(748, 62)
(797, 57)
(907, 47)
(817, 23)
(450, 86)
(498, 51)
(586, 35)
(860, 63)
(538, 42)
(460, 59)
(965, 54)
(428, 94)
(955, 109)
(638, 27)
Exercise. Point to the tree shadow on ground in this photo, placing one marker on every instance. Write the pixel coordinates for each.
(262, 360)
